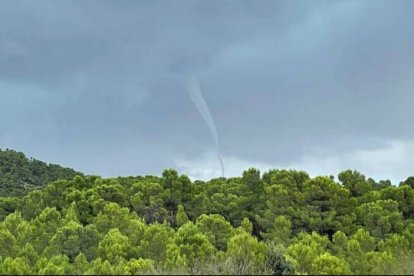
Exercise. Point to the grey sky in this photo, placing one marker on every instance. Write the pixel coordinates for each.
(317, 85)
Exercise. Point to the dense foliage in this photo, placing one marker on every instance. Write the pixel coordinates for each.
(283, 222)
(19, 175)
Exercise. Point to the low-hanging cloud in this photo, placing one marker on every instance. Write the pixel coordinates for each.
(391, 162)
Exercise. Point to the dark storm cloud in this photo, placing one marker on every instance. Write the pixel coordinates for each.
(99, 85)
(342, 80)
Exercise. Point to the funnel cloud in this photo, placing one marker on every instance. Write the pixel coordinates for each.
(193, 88)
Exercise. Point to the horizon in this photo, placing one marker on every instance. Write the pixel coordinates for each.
(334, 176)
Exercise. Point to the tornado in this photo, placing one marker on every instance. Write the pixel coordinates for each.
(193, 88)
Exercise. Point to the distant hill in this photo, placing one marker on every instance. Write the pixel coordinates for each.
(19, 174)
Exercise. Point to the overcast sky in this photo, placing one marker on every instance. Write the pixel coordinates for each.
(100, 86)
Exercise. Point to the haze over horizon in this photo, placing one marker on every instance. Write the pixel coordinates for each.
(100, 86)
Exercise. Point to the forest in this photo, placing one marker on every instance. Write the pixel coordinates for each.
(276, 222)
(19, 175)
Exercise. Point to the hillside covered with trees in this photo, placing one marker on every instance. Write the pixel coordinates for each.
(281, 222)
(19, 174)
